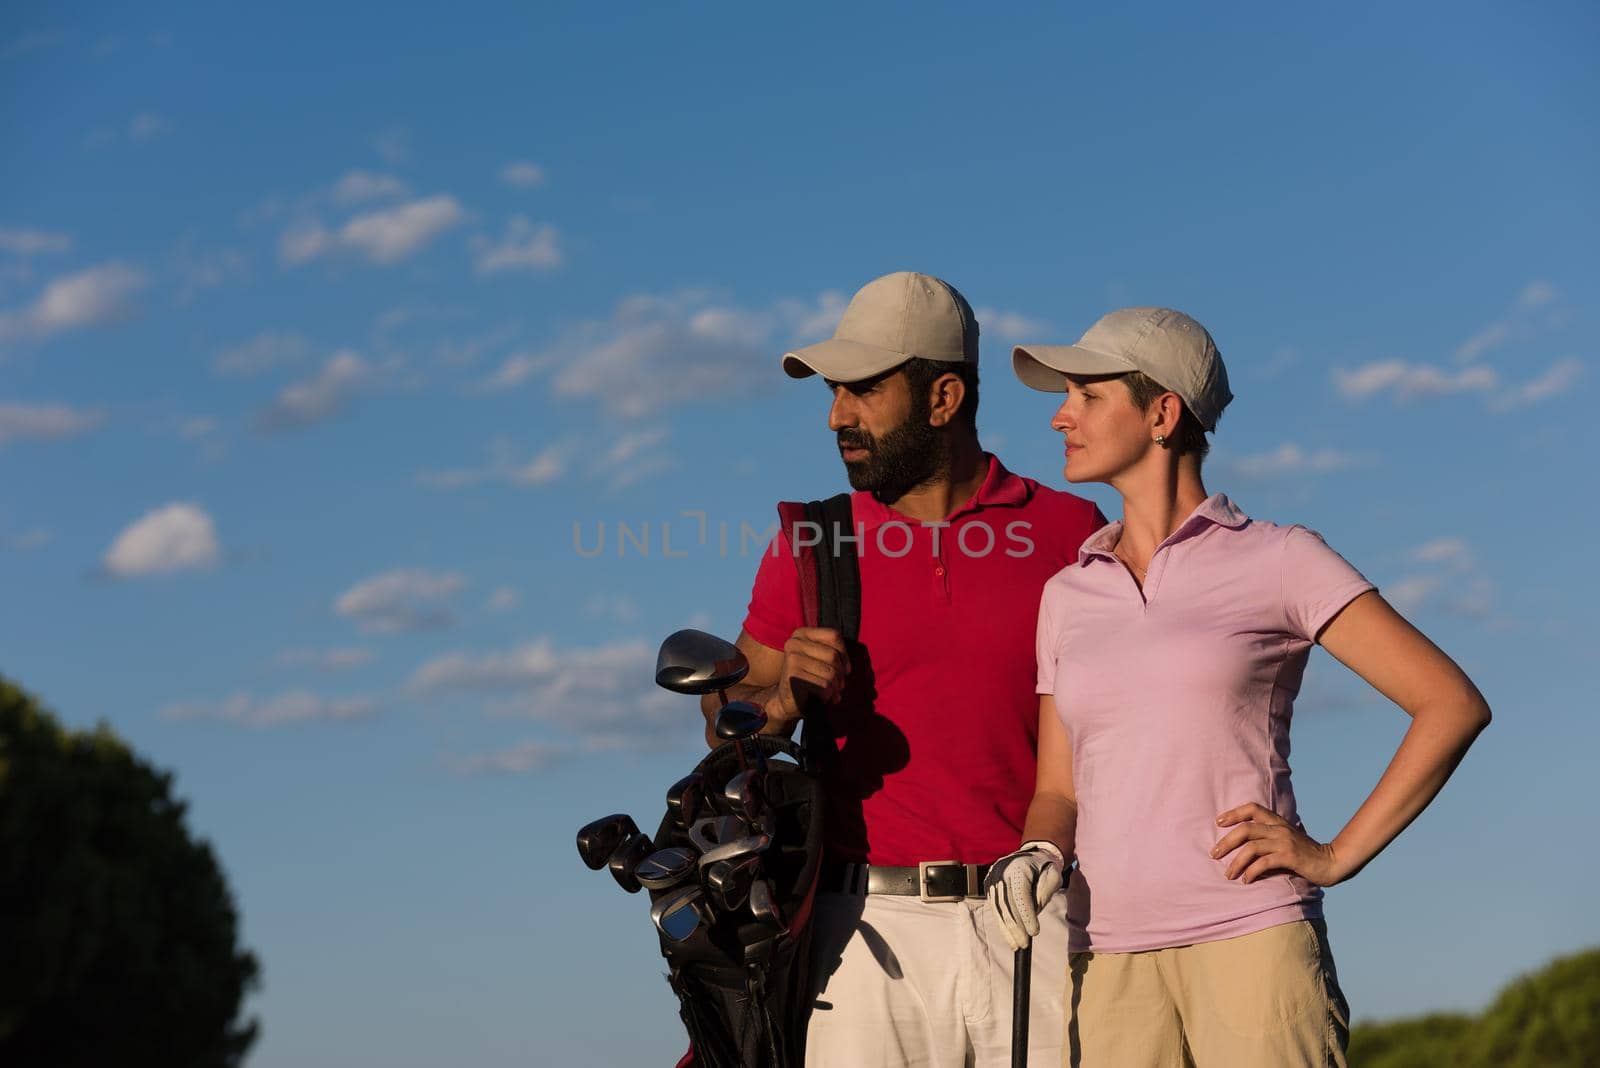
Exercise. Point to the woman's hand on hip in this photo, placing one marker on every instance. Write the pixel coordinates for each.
(1263, 843)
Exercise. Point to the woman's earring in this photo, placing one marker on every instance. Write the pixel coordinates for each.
(1161, 439)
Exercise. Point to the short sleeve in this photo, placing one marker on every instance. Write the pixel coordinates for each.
(776, 609)
(1045, 649)
(1317, 583)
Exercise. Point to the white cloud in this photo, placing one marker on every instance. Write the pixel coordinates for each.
(633, 456)
(264, 352)
(91, 297)
(293, 706)
(657, 351)
(342, 659)
(1291, 459)
(618, 607)
(147, 125)
(200, 271)
(45, 422)
(519, 759)
(1409, 594)
(391, 235)
(175, 537)
(1408, 381)
(1449, 581)
(601, 697)
(522, 174)
(504, 599)
(401, 600)
(384, 237)
(1447, 550)
(23, 242)
(1009, 325)
(1561, 377)
(523, 246)
(514, 370)
(325, 395)
(358, 186)
(1536, 294)
(544, 467)
(1514, 323)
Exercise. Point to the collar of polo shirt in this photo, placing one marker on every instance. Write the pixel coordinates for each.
(1215, 510)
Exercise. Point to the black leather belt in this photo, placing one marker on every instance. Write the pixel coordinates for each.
(932, 880)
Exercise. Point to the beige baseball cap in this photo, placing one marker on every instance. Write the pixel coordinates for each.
(1168, 346)
(889, 321)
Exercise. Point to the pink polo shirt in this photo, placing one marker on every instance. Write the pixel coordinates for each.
(1177, 701)
(939, 724)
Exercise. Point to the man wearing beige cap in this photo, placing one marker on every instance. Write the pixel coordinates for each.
(931, 715)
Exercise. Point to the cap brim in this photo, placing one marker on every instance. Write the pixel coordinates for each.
(839, 360)
(1045, 367)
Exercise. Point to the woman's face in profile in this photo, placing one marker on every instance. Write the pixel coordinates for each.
(1105, 431)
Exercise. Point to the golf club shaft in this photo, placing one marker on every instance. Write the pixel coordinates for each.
(1021, 994)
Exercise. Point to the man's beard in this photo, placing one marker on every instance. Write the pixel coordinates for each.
(912, 454)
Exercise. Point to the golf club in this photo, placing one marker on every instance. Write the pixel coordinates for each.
(626, 859)
(738, 722)
(703, 834)
(677, 914)
(665, 868)
(735, 849)
(728, 881)
(746, 797)
(764, 905)
(1021, 983)
(694, 662)
(598, 840)
(684, 798)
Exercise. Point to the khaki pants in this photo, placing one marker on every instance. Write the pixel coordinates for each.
(906, 983)
(1268, 999)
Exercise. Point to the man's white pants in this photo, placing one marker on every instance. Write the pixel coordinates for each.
(903, 982)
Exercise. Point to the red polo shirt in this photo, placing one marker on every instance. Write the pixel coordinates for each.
(938, 727)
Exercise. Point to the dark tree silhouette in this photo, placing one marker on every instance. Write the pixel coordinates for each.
(118, 935)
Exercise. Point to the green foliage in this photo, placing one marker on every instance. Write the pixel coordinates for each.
(117, 930)
(1549, 1019)
(1419, 1042)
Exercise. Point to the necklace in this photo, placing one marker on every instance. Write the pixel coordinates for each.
(1138, 571)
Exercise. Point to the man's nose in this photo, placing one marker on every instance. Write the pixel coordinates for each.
(841, 414)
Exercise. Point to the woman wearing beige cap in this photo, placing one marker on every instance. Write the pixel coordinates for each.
(1169, 657)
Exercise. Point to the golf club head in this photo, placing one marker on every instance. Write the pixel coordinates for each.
(627, 858)
(665, 868)
(764, 905)
(677, 915)
(739, 720)
(746, 797)
(598, 840)
(684, 798)
(734, 849)
(703, 834)
(728, 881)
(694, 662)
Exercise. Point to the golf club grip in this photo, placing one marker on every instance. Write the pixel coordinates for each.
(1021, 994)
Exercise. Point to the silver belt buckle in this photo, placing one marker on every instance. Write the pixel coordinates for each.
(922, 880)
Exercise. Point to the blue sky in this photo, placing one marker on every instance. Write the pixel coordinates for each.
(321, 333)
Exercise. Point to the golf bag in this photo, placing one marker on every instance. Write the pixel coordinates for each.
(744, 991)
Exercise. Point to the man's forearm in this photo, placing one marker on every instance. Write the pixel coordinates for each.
(763, 697)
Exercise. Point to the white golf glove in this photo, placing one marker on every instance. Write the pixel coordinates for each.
(1020, 884)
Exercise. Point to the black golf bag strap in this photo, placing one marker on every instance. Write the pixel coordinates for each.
(830, 580)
